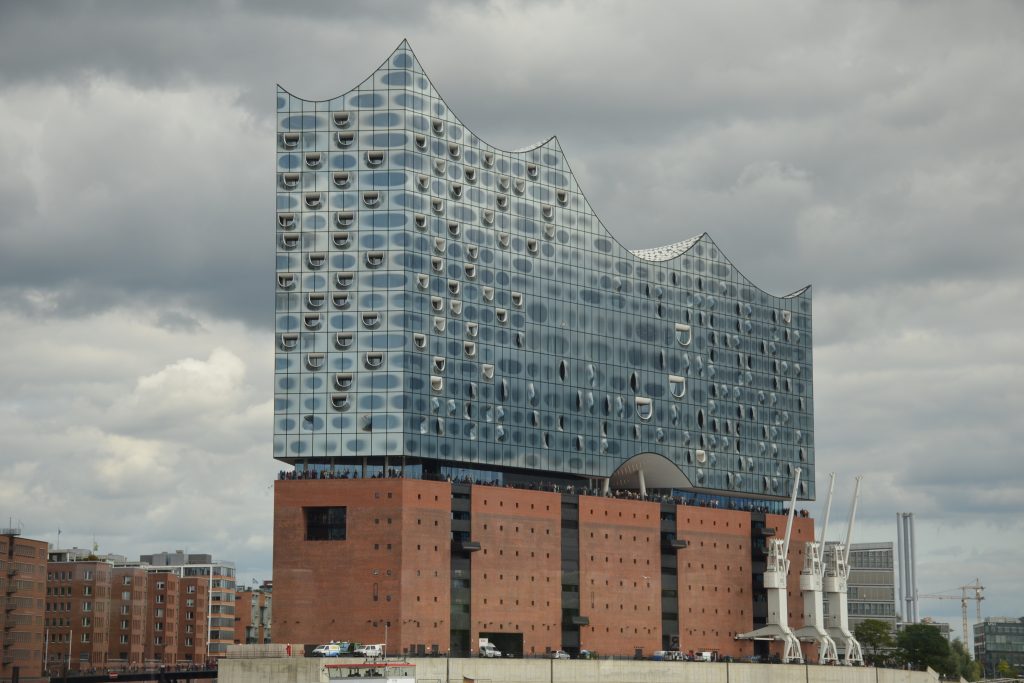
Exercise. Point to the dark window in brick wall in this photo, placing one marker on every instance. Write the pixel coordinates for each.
(325, 524)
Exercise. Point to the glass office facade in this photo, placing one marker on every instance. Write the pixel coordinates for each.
(450, 303)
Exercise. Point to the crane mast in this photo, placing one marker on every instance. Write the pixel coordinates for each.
(837, 573)
(811, 579)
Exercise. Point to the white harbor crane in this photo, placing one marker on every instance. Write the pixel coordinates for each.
(837, 572)
(963, 598)
(811, 580)
(775, 576)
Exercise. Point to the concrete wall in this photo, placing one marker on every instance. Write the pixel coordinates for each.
(435, 670)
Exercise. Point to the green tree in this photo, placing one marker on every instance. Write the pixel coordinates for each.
(874, 637)
(1005, 670)
(922, 646)
(960, 662)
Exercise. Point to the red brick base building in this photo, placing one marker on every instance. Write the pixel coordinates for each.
(433, 566)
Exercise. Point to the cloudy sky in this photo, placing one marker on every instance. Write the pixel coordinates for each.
(871, 149)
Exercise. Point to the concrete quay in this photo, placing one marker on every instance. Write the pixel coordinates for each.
(443, 670)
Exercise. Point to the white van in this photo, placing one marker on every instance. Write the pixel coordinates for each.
(371, 651)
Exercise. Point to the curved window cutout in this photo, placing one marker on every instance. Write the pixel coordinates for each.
(532, 170)
(437, 303)
(644, 408)
(289, 340)
(440, 166)
(374, 259)
(456, 307)
(501, 201)
(499, 434)
(472, 330)
(683, 334)
(371, 198)
(519, 186)
(469, 348)
(677, 385)
(488, 159)
(453, 228)
(313, 159)
(453, 150)
(634, 382)
(419, 341)
(439, 324)
(423, 181)
(314, 200)
(439, 245)
(285, 280)
(343, 380)
(517, 299)
(488, 216)
(315, 299)
(437, 125)
(437, 204)
(520, 340)
(423, 281)
(340, 300)
(286, 221)
(563, 370)
(316, 259)
(289, 240)
(374, 158)
(701, 456)
(343, 340)
(562, 196)
(488, 293)
(373, 360)
(454, 287)
(503, 182)
(549, 231)
(532, 245)
(344, 218)
(345, 138)
(311, 321)
(472, 251)
(439, 363)
(470, 174)
(488, 371)
(787, 317)
(700, 419)
(342, 178)
(341, 240)
(437, 264)
(342, 119)
(503, 390)
(436, 383)
(344, 280)
(456, 190)
(340, 402)
(421, 140)
(502, 315)
(547, 211)
(470, 271)
(420, 220)
(535, 422)
(290, 180)
(371, 320)
(290, 140)
(503, 240)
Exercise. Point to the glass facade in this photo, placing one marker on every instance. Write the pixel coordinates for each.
(452, 304)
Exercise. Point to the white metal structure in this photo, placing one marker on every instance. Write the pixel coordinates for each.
(837, 572)
(775, 576)
(908, 566)
(811, 579)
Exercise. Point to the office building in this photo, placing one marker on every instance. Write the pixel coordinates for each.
(22, 590)
(253, 611)
(455, 320)
(871, 588)
(999, 639)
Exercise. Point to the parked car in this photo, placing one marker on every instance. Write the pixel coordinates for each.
(559, 654)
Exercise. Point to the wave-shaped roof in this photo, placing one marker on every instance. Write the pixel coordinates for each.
(402, 69)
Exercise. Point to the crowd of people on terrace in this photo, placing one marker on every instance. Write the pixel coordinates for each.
(551, 487)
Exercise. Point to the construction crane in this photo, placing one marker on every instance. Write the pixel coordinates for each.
(963, 598)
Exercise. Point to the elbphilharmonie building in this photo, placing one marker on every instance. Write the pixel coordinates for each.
(502, 422)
